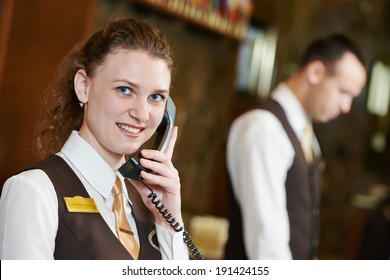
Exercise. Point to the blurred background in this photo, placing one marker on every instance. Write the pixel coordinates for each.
(228, 54)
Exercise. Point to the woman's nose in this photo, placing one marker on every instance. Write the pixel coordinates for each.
(140, 110)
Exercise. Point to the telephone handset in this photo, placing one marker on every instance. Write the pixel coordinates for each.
(132, 170)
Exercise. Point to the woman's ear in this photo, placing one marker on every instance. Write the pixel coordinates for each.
(315, 71)
(81, 83)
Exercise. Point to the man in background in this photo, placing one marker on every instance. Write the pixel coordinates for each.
(273, 155)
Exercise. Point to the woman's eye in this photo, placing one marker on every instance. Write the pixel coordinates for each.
(157, 97)
(124, 90)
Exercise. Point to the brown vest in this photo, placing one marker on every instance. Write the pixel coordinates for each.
(86, 236)
(302, 201)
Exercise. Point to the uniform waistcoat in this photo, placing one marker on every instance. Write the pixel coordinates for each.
(83, 236)
(302, 201)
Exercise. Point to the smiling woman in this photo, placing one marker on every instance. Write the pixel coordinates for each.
(109, 98)
(123, 107)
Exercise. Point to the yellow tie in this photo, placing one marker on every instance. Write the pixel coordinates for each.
(306, 143)
(123, 229)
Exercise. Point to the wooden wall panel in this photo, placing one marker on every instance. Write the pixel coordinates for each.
(40, 33)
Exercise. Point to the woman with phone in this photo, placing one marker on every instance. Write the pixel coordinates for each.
(108, 99)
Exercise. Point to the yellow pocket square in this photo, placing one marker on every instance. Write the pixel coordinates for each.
(81, 204)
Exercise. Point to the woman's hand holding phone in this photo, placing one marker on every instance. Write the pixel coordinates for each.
(164, 180)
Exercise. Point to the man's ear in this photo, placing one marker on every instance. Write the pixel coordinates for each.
(315, 71)
(81, 83)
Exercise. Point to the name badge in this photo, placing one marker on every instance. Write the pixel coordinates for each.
(80, 204)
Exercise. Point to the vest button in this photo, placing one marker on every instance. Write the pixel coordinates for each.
(315, 211)
(314, 242)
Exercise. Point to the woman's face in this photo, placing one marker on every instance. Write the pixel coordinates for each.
(124, 102)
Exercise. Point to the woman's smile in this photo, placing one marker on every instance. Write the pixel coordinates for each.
(129, 130)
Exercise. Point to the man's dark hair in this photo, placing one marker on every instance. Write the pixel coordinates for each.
(330, 49)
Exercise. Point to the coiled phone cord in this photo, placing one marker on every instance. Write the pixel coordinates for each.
(172, 221)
